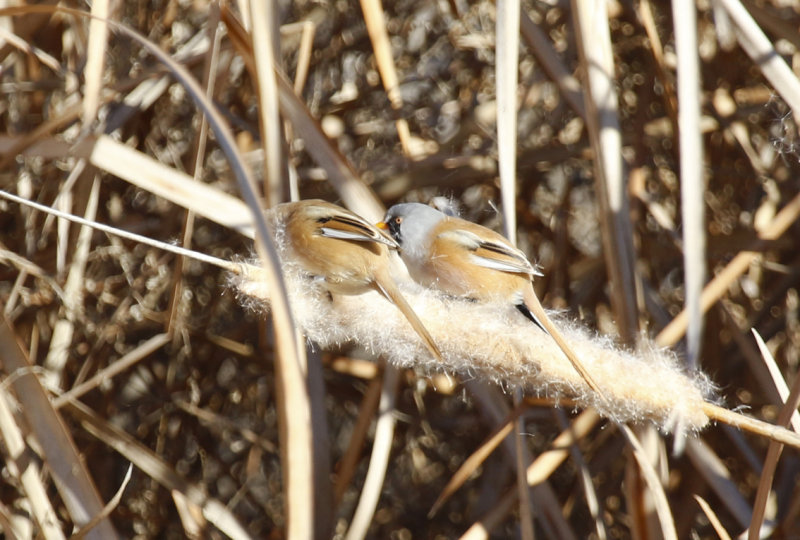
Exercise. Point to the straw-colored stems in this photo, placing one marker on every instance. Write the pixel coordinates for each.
(692, 180)
(593, 36)
(69, 472)
(265, 46)
(732, 271)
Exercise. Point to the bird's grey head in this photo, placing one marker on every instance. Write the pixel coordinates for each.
(410, 224)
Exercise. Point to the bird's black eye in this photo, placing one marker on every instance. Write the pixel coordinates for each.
(398, 220)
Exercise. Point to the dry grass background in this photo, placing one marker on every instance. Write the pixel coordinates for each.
(166, 370)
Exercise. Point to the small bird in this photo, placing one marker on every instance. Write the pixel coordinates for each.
(468, 260)
(349, 254)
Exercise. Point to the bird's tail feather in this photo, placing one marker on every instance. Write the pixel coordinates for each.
(539, 317)
(389, 289)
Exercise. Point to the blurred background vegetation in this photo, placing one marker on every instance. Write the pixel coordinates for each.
(205, 403)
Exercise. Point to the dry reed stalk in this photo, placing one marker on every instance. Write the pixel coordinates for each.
(63, 329)
(264, 38)
(788, 410)
(95, 60)
(756, 44)
(27, 475)
(544, 51)
(70, 475)
(712, 517)
(376, 26)
(693, 184)
(602, 123)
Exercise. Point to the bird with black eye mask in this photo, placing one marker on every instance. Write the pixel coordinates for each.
(464, 259)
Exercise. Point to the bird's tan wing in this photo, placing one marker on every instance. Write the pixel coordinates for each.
(332, 221)
(345, 225)
(488, 249)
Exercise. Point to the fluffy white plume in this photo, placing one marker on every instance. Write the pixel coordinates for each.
(498, 343)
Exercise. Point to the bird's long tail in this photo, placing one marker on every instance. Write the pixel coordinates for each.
(541, 319)
(389, 289)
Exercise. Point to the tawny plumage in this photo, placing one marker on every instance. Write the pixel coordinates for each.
(468, 260)
(348, 253)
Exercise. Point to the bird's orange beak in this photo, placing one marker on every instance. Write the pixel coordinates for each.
(382, 225)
